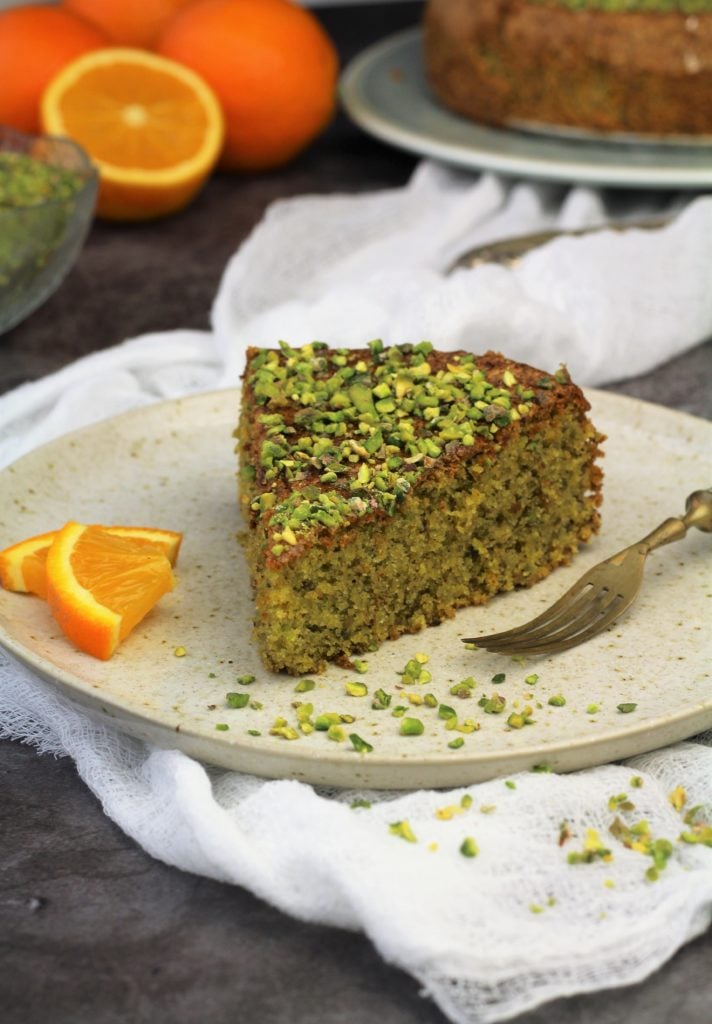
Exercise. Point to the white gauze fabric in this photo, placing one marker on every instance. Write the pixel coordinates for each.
(517, 925)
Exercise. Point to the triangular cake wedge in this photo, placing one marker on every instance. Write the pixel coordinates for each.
(386, 487)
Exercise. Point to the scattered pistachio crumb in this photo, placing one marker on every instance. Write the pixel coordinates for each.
(609, 883)
(636, 781)
(678, 798)
(466, 801)
(360, 802)
(246, 680)
(222, 726)
(360, 745)
(531, 679)
(254, 732)
(411, 727)
(336, 733)
(403, 829)
(469, 848)
(237, 700)
(625, 709)
(499, 677)
(593, 709)
(356, 689)
(180, 652)
(304, 685)
(456, 743)
(510, 784)
(536, 908)
(557, 701)
(360, 665)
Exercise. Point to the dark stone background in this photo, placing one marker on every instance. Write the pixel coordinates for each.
(92, 930)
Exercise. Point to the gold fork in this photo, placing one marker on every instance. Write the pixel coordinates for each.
(601, 595)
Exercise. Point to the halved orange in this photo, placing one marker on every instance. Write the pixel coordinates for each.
(100, 586)
(23, 566)
(153, 127)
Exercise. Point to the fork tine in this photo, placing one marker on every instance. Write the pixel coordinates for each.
(545, 625)
(540, 620)
(584, 628)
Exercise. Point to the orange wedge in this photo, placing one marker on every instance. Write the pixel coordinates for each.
(23, 565)
(99, 586)
(153, 127)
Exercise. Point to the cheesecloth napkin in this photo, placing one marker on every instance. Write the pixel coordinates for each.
(486, 938)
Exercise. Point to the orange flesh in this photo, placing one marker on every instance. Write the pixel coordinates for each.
(108, 109)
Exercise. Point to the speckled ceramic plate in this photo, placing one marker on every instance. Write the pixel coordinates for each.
(385, 91)
(172, 465)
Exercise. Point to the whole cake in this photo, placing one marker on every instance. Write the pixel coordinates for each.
(630, 66)
(386, 487)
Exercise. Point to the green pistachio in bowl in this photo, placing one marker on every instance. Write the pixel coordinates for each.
(48, 189)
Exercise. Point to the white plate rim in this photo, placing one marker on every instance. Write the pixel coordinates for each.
(482, 154)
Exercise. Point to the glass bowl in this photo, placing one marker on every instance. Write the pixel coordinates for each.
(48, 189)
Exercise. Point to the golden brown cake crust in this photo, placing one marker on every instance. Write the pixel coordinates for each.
(504, 62)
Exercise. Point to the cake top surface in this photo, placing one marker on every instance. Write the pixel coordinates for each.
(337, 434)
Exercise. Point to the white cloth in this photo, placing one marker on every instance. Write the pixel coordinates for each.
(517, 925)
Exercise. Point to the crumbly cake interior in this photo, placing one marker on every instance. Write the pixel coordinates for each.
(385, 488)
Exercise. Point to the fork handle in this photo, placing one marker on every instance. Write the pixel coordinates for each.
(698, 512)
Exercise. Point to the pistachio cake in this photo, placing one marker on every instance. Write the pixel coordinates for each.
(386, 487)
(609, 66)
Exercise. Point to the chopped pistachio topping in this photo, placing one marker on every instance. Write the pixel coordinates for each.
(557, 701)
(180, 652)
(356, 689)
(510, 784)
(625, 709)
(351, 436)
(246, 680)
(593, 709)
(359, 802)
(222, 726)
(636, 781)
(456, 743)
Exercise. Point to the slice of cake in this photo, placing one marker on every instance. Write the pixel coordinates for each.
(386, 487)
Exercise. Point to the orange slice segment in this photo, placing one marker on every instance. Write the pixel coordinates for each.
(100, 586)
(23, 566)
(153, 127)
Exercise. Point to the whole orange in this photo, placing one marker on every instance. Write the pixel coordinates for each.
(271, 65)
(35, 42)
(128, 22)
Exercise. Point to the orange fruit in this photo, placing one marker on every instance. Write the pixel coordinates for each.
(127, 22)
(100, 586)
(23, 566)
(272, 66)
(153, 128)
(35, 42)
